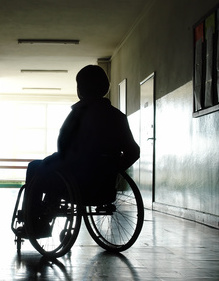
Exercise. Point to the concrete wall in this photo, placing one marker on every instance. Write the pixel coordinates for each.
(186, 149)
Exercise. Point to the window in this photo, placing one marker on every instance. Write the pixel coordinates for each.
(206, 64)
(29, 130)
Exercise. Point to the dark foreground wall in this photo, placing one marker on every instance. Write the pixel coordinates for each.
(186, 148)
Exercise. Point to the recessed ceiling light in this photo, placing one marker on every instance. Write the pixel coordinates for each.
(48, 41)
(44, 71)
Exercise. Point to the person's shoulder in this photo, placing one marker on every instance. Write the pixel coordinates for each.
(115, 112)
(115, 109)
(80, 105)
(75, 105)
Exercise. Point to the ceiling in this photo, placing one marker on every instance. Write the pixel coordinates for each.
(100, 26)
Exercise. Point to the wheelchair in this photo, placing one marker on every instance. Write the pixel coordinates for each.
(53, 228)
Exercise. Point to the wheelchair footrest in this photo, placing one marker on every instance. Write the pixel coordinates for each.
(42, 231)
(21, 232)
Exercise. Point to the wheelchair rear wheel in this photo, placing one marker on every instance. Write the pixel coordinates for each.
(52, 219)
(116, 227)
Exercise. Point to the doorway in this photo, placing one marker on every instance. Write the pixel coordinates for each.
(147, 140)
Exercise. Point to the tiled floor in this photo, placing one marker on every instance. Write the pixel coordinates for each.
(168, 249)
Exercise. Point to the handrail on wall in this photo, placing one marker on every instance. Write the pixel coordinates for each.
(14, 166)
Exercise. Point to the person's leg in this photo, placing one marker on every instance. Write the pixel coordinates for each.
(40, 171)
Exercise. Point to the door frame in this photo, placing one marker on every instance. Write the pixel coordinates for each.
(154, 132)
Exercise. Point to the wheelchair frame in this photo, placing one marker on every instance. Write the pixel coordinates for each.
(114, 226)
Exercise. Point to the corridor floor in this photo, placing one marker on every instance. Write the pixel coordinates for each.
(169, 249)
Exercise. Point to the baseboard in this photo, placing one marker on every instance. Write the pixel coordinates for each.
(11, 184)
(193, 215)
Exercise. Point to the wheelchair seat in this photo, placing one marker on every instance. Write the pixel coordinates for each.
(98, 193)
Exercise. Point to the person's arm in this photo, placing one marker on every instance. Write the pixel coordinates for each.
(65, 133)
(130, 149)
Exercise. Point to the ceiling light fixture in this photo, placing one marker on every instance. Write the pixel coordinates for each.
(48, 41)
(44, 71)
(52, 89)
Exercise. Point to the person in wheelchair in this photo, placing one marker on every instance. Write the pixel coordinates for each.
(94, 143)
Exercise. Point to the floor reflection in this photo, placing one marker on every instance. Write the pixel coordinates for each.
(99, 267)
(105, 264)
(28, 267)
(168, 249)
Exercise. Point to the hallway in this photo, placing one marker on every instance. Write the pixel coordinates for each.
(168, 249)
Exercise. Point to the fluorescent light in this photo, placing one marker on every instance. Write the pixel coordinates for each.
(51, 89)
(48, 41)
(44, 71)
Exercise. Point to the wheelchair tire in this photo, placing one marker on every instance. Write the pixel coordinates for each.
(118, 229)
(63, 219)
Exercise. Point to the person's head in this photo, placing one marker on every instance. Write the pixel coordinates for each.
(92, 82)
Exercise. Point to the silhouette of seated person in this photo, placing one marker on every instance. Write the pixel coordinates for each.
(94, 143)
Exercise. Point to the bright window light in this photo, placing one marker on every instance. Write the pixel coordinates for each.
(29, 131)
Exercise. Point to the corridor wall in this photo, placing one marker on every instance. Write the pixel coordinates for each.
(186, 150)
